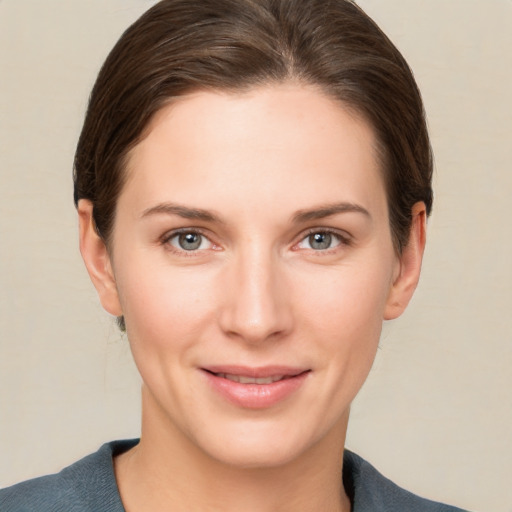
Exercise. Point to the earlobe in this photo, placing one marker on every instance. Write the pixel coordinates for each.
(97, 259)
(409, 265)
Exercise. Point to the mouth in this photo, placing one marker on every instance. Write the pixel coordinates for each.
(243, 379)
(255, 388)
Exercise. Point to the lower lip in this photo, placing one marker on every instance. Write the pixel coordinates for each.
(256, 396)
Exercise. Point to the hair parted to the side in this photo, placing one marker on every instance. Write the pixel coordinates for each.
(179, 46)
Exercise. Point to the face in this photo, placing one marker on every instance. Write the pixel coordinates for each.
(253, 262)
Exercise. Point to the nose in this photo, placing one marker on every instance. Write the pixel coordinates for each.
(256, 305)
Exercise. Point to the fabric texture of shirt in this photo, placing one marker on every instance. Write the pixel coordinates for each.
(89, 485)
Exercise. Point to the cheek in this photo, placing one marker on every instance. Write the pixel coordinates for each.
(167, 312)
(164, 306)
(345, 301)
(343, 313)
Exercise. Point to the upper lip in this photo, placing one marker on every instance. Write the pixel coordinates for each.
(256, 372)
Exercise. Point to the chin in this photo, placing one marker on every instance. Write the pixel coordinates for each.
(261, 445)
(256, 455)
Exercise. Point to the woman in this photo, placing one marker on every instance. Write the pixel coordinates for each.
(252, 183)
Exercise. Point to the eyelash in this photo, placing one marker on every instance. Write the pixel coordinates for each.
(166, 239)
(343, 238)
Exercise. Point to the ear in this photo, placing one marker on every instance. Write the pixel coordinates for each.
(409, 269)
(97, 259)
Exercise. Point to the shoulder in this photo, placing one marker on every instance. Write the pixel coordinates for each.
(369, 490)
(86, 485)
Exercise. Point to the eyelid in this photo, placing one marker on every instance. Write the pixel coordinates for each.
(169, 235)
(344, 238)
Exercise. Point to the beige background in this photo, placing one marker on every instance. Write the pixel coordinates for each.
(436, 413)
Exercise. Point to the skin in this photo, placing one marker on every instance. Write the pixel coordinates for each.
(268, 166)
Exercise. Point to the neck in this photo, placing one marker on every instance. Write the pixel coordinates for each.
(166, 471)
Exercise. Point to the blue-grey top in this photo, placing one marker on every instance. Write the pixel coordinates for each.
(89, 485)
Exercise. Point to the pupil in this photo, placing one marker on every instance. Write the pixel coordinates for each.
(190, 241)
(320, 240)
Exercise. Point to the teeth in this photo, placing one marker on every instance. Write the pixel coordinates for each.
(251, 380)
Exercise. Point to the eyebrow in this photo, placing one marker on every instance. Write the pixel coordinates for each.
(327, 210)
(316, 213)
(182, 211)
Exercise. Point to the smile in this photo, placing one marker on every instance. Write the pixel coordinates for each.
(255, 388)
(242, 379)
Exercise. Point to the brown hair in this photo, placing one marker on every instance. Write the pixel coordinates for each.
(178, 46)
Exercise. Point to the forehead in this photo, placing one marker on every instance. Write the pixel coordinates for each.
(262, 145)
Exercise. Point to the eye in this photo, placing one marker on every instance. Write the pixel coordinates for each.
(321, 241)
(189, 241)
